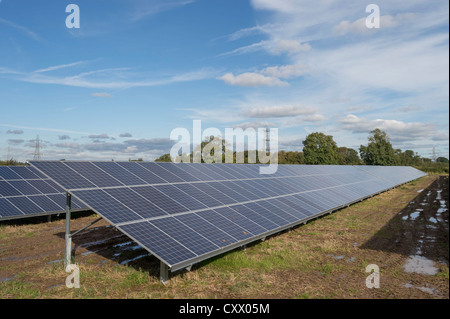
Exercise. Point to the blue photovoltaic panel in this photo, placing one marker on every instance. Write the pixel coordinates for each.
(161, 172)
(8, 174)
(6, 189)
(190, 238)
(7, 209)
(107, 206)
(207, 230)
(26, 192)
(120, 174)
(164, 202)
(163, 246)
(184, 213)
(226, 225)
(142, 173)
(95, 175)
(135, 202)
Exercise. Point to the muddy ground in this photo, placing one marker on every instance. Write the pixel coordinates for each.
(403, 231)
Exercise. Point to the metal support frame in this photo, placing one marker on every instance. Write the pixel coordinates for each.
(68, 236)
(68, 251)
(163, 273)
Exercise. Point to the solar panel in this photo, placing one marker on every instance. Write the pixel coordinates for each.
(25, 192)
(184, 213)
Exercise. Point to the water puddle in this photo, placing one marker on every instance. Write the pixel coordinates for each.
(340, 257)
(7, 279)
(413, 215)
(431, 291)
(420, 265)
(98, 242)
(133, 259)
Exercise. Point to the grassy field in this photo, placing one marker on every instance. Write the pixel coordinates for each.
(326, 258)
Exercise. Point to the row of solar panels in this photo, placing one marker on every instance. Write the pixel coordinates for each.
(25, 192)
(184, 213)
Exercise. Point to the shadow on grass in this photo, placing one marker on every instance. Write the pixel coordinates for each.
(44, 219)
(421, 228)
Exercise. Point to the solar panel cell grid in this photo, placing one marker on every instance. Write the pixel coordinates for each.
(142, 173)
(162, 245)
(214, 234)
(191, 239)
(94, 174)
(119, 173)
(159, 199)
(7, 189)
(195, 210)
(25, 205)
(136, 202)
(161, 172)
(239, 219)
(7, 209)
(181, 197)
(107, 206)
(8, 174)
(227, 226)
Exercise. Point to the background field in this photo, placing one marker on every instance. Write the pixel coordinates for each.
(404, 231)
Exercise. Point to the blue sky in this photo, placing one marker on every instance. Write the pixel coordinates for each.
(135, 70)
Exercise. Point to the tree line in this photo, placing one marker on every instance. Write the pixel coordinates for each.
(321, 149)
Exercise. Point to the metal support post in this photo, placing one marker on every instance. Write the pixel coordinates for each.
(163, 273)
(68, 252)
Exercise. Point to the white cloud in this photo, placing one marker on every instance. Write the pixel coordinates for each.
(279, 111)
(101, 94)
(252, 79)
(99, 136)
(255, 125)
(14, 132)
(398, 130)
(125, 135)
(110, 78)
(386, 22)
(57, 67)
(146, 9)
(288, 46)
(285, 71)
(270, 76)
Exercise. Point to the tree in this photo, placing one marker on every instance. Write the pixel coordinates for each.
(320, 149)
(164, 158)
(379, 151)
(348, 156)
(442, 160)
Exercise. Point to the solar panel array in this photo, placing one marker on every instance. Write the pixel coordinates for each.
(187, 212)
(25, 192)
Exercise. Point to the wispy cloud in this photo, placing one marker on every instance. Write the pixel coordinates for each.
(14, 132)
(146, 9)
(46, 129)
(279, 111)
(252, 79)
(101, 94)
(57, 67)
(109, 78)
(22, 29)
